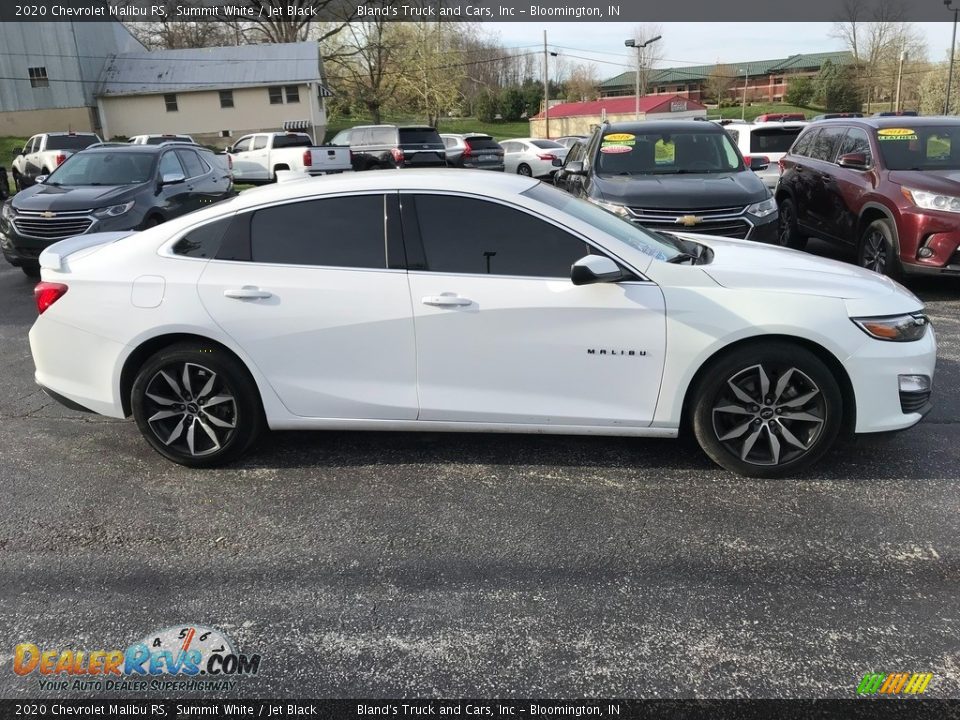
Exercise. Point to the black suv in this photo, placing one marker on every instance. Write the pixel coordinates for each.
(674, 175)
(378, 147)
(110, 187)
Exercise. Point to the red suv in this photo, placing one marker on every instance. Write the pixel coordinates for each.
(890, 187)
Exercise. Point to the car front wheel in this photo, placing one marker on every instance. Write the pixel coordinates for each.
(877, 250)
(197, 405)
(767, 410)
(788, 234)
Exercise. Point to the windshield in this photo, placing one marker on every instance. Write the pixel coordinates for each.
(667, 152)
(104, 168)
(160, 139)
(633, 235)
(934, 147)
(70, 142)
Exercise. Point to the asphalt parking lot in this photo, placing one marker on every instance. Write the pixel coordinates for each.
(366, 565)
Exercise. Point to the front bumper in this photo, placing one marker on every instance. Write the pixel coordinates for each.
(24, 250)
(874, 372)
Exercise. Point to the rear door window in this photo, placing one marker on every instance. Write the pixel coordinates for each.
(170, 165)
(191, 163)
(773, 140)
(805, 142)
(827, 143)
(259, 142)
(857, 141)
(383, 136)
(333, 232)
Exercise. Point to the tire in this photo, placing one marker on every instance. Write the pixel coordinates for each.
(877, 250)
(788, 234)
(276, 169)
(31, 271)
(524, 169)
(220, 436)
(757, 438)
(17, 182)
(151, 221)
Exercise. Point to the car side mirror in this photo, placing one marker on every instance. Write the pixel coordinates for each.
(40, 178)
(854, 161)
(575, 167)
(173, 179)
(595, 269)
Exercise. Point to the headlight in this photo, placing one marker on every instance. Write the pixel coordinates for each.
(114, 210)
(7, 211)
(763, 208)
(616, 209)
(895, 328)
(932, 201)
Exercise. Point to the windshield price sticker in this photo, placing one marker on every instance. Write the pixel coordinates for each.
(619, 137)
(896, 134)
(615, 148)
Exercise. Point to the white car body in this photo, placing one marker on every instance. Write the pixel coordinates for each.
(44, 153)
(756, 139)
(159, 139)
(395, 349)
(255, 158)
(520, 153)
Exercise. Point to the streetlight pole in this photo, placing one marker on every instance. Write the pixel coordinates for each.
(631, 42)
(953, 46)
(743, 104)
(903, 55)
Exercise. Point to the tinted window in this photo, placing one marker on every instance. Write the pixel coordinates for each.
(204, 241)
(690, 150)
(827, 143)
(191, 163)
(169, 165)
(856, 141)
(907, 147)
(104, 168)
(419, 136)
(545, 144)
(483, 142)
(285, 141)
(70, 142)
(339, 232)
(803, 144)
(160, 139)
(496, 240)
(773, 140)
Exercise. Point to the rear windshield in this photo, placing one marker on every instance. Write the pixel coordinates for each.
(545, 144)
(419, 136)
(285, 141)
(773, 140)
(667, 152)
(70, 142)
(482, 142)
(159, 140)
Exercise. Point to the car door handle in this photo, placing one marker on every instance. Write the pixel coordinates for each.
(447, 300)
(247, 292)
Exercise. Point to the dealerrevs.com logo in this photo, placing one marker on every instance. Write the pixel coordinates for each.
(179, 658)
(894, 683)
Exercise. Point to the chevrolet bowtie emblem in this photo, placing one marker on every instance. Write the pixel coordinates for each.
(48, 214)
(688, 220)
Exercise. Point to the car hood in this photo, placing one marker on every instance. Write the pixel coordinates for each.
(79, 197)
(946, 182)
(682, 192)
(742, 265)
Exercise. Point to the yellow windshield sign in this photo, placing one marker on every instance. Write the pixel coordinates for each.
(619, 137)
(895, 132)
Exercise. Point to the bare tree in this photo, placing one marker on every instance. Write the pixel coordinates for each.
(365, 67)
(284, 21)
(582, 83)
(719, 81)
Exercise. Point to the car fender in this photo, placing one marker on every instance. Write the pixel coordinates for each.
(890, 215)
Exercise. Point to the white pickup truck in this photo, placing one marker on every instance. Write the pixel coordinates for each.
(257, 158)
(44, 153)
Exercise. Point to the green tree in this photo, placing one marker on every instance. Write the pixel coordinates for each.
(837, 90)
(512, 104)
(486, 106)
(800, 92)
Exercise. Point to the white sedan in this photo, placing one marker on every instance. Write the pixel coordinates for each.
(533, 157)
(365, 302)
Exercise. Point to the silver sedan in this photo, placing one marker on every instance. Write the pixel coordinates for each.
(532, 157)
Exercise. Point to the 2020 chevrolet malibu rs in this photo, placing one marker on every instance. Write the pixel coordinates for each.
(442, 300)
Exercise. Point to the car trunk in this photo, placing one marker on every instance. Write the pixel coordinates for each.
(422, 147)
(483, 152)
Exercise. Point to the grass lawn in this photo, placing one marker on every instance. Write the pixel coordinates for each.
(8, 146)
(761, 108)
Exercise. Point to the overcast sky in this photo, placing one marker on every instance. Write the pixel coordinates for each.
(690, 43)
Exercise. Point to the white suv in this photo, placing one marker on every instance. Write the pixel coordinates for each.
(769, 140)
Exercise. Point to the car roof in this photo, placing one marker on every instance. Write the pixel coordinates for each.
(649, 126)
(466, 181)
(129, 148)
(68, 132)
(771, 124)
(466, 135)
(893, 122)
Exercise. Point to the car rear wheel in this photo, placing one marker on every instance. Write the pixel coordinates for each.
(17, 182)
(788, 234)
(197, 405)
(524, 169)
(767, 410)
(877, 250)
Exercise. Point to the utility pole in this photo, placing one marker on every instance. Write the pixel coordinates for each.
(953, 50)
(743, 103)
(632, 42)
(546, 89)
(903, 55)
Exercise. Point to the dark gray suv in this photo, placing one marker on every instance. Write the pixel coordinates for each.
(110, 187)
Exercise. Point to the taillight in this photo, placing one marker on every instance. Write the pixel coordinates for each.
(397, 155)
(467, 150)
(746, 160)
(547, 156)
(307, 158)
(780, 165)
(47, 293)
(60, 158)
(229, 162)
